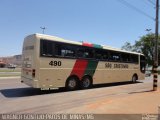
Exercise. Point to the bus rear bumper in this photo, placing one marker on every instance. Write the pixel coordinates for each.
(30, 82)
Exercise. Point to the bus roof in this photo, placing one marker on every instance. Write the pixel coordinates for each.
(58, 39)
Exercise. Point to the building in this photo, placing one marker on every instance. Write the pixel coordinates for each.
(11, 60)
(2, 64)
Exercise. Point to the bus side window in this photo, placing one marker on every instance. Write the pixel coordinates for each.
(67, 52)
(84, 52)
(142, 64)
(57, 50)
(101, 54)
(64, 50)
(115, 56)
(70, 51)
(88, 53)
(134, 58)
(125, 57)
(98, 54)
(80, 52)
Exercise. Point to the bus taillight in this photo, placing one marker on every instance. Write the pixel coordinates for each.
(33, 72)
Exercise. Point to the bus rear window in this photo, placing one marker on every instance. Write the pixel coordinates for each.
(46, 48)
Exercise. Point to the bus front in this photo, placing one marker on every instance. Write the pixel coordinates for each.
(28, 75)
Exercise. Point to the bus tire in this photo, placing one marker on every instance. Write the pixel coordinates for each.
(86, 82)
(72, 83)
(134, 78)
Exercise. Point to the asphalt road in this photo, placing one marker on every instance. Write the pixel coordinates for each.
(16, 97)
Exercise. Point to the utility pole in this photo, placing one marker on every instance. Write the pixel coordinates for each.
(155, 64)
(43, 28)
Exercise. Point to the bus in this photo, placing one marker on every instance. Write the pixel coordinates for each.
(50, 62)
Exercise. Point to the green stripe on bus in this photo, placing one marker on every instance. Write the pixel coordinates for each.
(91, 67)
(97, 46)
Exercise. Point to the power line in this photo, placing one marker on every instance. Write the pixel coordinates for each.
(146, 2)
(150, 1)
(135, 8)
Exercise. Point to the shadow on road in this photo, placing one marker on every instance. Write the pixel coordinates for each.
(141, 92)
(28, 91)
(114, 84)
(24, 92)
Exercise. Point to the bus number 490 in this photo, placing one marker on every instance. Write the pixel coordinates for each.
(55, 63)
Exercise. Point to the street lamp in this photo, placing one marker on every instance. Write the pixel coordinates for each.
(148, 30)
(43, 28)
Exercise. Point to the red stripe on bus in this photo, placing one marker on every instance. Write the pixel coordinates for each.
(87, 44)
(79, 68)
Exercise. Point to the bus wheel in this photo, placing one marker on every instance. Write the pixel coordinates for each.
(86, 82)
(134, 78)
(72, 83)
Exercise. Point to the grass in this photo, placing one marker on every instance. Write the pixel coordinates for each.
(10, 75)
(5, 72)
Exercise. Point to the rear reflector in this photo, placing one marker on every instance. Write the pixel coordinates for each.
(33, 72)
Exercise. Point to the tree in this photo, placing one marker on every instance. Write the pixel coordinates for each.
(145, 45)
(127, 46)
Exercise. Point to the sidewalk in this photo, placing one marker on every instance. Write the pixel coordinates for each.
(135, 103)
(145, 102)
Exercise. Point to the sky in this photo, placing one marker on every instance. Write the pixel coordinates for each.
(106, 22)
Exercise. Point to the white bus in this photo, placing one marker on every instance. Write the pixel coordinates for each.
(51, 62)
